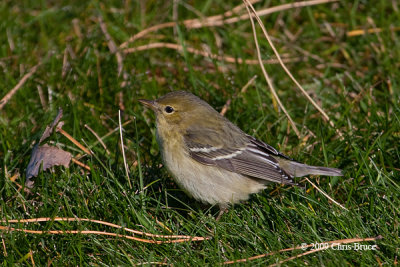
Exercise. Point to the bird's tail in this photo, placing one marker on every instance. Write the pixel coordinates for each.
(298, 169)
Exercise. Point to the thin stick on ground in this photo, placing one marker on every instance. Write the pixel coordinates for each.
(332, 244)
(271, 86)
(368, 31)
(31, 257)
(73, 140)
(98, 138)
(157, 27)
(219, 20)
(192, 50)
(243, 90)
(77, 162)
(225, 107)
(112, 131)
(111, 45)
(87, 232)
(123, 150)
(287, 70)
(75, 219)
(250, 82)
(21, 82)
(235, 10)
(263, 12)
(153, 263)
(326, 195)
(4, 248)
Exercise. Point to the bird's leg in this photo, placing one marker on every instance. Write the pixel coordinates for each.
(222, 209)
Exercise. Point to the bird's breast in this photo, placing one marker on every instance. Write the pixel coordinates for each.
(209, 184)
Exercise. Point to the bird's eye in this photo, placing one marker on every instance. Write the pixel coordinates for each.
(169, 109)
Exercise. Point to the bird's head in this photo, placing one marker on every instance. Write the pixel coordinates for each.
(179, 108)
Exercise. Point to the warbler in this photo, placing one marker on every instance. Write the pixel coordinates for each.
(213, 160)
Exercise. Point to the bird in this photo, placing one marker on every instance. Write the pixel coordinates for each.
(212, 159)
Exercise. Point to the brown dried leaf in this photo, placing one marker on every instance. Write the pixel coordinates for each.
(50, 127)
(46, 155)
(49, 156)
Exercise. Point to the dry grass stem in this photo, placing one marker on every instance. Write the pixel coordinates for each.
(111, 45)
(41, 97)
(4, 248)
(73, 140)
(112, 131)
(153, 263)
(192, 50)
(225, 107)
(157, 27)
(264, 12)
(74, 219)
(20, 187)
(367, 31)
(98, 138)
(220, 20)
(66, 64)
(121, 98)
(243, 90)
(31, 257)
(271, 86)
(250, 82)
(14, 177)
(21, 82)
(98, 70)
(10, 40)
(326, 195)
(287, 70)
(87, 232)
(123, 150)
(234, 11)
(77, 162)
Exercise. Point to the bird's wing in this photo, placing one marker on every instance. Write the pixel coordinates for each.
(266, 148)
(252, 158)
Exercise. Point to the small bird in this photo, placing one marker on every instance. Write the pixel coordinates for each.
(213, 160)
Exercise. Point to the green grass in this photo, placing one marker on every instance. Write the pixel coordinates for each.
(355, 80)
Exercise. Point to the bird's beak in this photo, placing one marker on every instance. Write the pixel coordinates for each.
(148, 103)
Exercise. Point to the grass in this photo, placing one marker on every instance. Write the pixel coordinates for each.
(354, 79)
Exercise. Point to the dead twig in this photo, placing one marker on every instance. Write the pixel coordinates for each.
(73, 140)
(225, 107)
(77, 162)
(112, 131)
(271, 86)
(41, 97)
(326, 195)
(180, 238)
(192, 50)
(250, 82)
(66, 65)
(21, 82)
(220, 20)
(243, 90)
(264, 12)
(367, 31)
(287, 70)
(4, 248)
(98, 138)
(111, 45)
(86, 232)
(123, 150)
